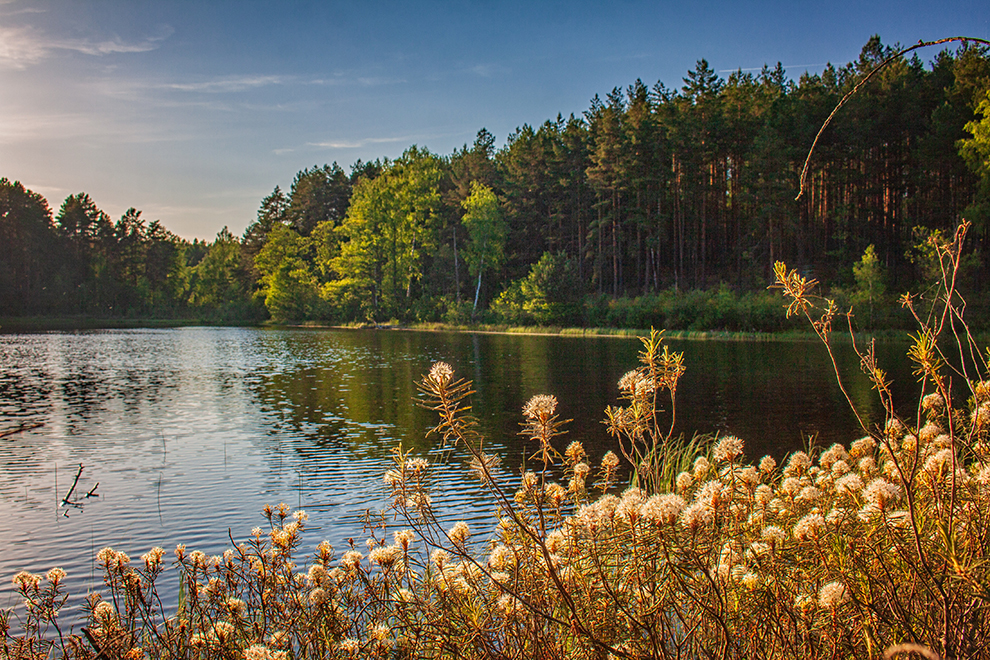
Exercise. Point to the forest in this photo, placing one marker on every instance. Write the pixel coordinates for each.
(657, 206)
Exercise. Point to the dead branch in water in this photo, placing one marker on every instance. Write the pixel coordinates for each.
(21, 429)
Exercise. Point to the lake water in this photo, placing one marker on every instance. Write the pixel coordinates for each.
(189, 432)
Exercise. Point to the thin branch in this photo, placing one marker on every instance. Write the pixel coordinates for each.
(21, 429)
(876, 69)
(68, 496)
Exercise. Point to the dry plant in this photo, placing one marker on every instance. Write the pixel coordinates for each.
(876, 549)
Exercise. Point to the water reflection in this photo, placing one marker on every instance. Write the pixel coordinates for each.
(191, 431)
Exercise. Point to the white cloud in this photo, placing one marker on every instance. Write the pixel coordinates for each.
(20, 47)
(489, 70)
(364, 142)
(23, 10)
(225, 84)
(377, 81)
(23, 128)
(355, 144)
(786, 67)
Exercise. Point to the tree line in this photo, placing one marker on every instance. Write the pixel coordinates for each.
(651, 193)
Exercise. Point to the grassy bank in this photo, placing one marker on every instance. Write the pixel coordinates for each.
(536, 330)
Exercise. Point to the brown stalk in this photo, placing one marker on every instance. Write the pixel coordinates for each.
(852, 92)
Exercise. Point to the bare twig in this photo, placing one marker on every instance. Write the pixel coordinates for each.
(850, 93)
(21, 429)
(68, 496)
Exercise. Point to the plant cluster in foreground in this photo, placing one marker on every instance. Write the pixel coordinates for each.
(874, 549)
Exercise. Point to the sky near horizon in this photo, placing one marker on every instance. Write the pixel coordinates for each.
(193, 111)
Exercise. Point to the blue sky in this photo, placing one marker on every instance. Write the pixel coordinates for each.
(193, 111)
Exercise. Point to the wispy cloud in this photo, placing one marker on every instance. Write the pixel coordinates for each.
(225, 84)
(489, 70)
(786, 67)
(356, 144)
(21, 47)
(21, 11)
(378, 81)
(363, 142)
(21, 128)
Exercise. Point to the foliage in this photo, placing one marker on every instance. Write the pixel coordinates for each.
(549, 295)
(486, 230)
(870, 287)
(651, 190)
(718, 308)
(288, 284)
(388, 231)
(27, 245)
(976, 149)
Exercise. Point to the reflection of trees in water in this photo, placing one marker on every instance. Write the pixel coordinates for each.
(350, 395)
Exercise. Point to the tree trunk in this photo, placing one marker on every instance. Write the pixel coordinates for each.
(457, 270)
(477, 290)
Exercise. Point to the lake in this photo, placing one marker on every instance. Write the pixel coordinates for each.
(189, 432)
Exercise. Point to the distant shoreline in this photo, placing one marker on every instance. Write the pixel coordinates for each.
(9, 325)
(12, 325)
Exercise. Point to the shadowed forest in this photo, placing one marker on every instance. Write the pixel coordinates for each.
(657, 206)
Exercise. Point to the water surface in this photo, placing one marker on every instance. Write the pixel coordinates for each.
(189, 432)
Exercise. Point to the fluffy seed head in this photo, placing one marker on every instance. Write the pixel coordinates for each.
(881, 493)
(610, 461)
(662, 509)
(797, 464)
(832, 595)
(351, 559)
(774, 535)
(441, 373)
(459, 534)
(933, 402)
(25, 580)
(541, 407)
(728, 449)
(809, 527)
(697, 516)
(385, 555)
(763, 494)
(850, 484)
(980, 418)
(863, 447)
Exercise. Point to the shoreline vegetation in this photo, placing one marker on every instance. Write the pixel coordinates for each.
(872, 549)
(69, 324)
(612, 218)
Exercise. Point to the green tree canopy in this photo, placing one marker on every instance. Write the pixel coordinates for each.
(486, 232)
(389, 229)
